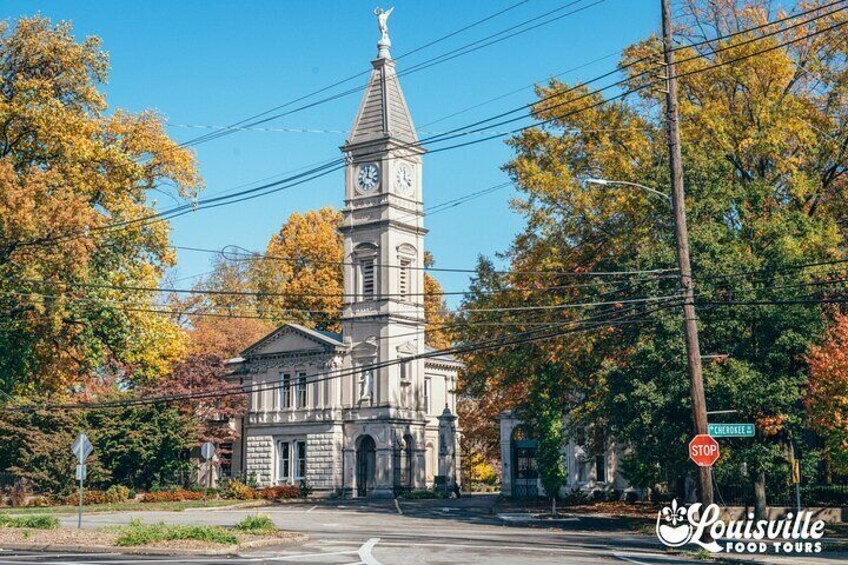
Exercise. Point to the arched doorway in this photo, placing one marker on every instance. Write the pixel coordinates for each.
(366, 462)
(525, 474)
(404, 454)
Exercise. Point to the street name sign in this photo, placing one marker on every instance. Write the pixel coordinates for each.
(731, 430)
(703, 450)
(82, 447)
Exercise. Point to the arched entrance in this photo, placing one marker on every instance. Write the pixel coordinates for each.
(525, 474)
(366, 463)
(404, 454)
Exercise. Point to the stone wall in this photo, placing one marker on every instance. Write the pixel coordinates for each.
(260, 459)
(324, 460)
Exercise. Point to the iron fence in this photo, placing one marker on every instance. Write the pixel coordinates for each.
(827, 495)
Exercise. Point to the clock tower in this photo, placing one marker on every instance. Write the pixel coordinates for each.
(383, 316)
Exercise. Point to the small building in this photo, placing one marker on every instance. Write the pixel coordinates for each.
(520, 473)
(368, 411)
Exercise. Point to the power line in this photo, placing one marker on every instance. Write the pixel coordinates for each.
(525, 338)
(337, 164)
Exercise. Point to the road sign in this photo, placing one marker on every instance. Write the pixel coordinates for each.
(731, 430)
(208, 450)
(703, 450)
(82, 472)
(82, 447)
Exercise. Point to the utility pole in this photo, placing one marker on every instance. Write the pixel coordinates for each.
(681, 232)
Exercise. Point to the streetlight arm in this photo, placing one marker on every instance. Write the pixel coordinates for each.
(607, 182)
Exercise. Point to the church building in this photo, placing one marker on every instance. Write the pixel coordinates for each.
(368, 411)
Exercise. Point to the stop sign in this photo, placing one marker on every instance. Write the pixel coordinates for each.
(703, 450)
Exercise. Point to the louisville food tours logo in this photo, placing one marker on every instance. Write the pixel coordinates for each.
(794, 533)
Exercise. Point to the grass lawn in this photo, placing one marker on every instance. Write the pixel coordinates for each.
(130, 506)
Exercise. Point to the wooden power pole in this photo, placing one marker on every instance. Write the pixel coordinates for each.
(681, 232)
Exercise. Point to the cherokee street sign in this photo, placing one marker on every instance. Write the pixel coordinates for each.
(703, 450)
(731, 430)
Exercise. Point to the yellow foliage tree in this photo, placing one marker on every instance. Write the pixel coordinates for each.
(68, 170)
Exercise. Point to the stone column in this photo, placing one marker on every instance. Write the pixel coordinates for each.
(447, 448)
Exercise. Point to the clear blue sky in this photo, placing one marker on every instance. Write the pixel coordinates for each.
(215, 62)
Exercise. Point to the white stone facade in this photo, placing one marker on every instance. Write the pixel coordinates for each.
(357, 412)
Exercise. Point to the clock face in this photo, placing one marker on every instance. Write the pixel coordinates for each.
(369, 177)
(403, 179)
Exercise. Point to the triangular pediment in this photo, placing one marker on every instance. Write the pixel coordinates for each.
(292, 338)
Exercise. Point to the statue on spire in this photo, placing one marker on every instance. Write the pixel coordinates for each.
(383, 25)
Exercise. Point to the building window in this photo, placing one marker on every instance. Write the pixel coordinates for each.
(284, 465)
(366, 268)
(301, 390)
(285, 392)
(601, 468)
(428, 392)
(403, 279)
(300, 456)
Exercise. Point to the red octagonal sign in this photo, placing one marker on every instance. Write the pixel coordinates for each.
(703, 450)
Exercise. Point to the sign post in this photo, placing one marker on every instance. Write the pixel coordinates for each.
(703, 450)
(82, 448)
(207, 451)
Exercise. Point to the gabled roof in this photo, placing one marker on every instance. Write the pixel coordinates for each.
(443, 357)
(291, 338)
(383, 112)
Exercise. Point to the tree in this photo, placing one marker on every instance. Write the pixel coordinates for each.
(826, 397)
(68, 169)
(766, 191)
(302, 273)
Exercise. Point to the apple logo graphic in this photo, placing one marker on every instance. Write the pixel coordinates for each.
(672, 527)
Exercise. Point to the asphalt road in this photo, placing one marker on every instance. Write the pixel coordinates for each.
(420, 532)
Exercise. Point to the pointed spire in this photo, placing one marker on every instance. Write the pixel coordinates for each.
(383, 113)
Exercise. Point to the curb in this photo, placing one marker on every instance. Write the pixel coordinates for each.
(233, 551)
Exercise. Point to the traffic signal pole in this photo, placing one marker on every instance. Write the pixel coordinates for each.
(681, 232)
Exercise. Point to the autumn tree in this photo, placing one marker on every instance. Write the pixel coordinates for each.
(765, 165)
(827, 391)
(69, 168)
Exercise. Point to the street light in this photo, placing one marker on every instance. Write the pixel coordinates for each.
(607, 182)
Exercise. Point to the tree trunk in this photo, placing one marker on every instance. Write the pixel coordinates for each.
(553, 507)
(760, 496)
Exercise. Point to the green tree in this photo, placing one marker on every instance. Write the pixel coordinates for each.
(766, 192)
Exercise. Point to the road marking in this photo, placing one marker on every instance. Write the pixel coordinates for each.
(397, 505)
(302, 555)
(365, 552)
(311, 509)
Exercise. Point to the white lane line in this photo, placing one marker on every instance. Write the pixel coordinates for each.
(630, 559)
(397, 506)
(302, 555)
(365, 552)
(311, 509)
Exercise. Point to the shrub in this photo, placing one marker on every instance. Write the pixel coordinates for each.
(116, 494)
(613, 495)
(238, 490)
(305, 489)
(137, 533)
(176, 495)
(278, 492)
(423, 494)
(37, 522)
(132, 494)
(88, 497)
(19, 492)
(256, 524)
(598, 495)
(631, 497)
(38, 501)
(576, 497)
